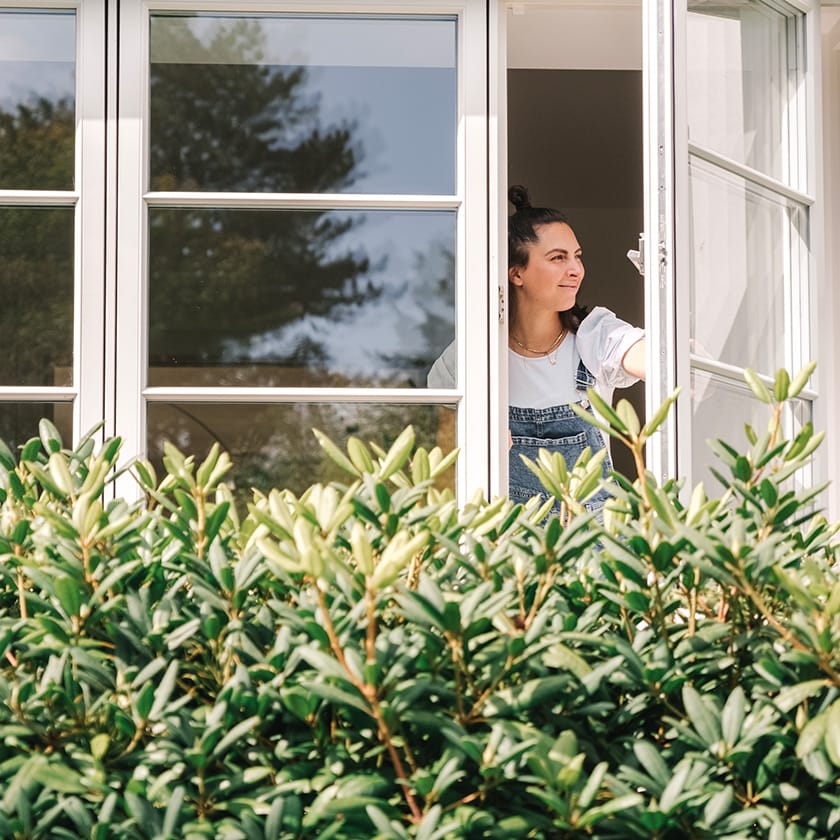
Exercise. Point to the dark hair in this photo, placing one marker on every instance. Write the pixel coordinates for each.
(522, 232)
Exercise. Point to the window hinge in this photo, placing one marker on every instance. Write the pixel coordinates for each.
(501, 305)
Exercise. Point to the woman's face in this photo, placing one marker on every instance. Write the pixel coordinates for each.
(554, 271)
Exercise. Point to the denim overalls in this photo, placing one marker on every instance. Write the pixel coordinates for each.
(557, 429)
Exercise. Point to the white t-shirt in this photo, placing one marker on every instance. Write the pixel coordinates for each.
(602, 340)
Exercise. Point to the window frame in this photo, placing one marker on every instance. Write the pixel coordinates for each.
(88, 200)
(668, 153)
(129, 387)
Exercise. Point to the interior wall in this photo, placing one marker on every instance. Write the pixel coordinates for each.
(575, 140)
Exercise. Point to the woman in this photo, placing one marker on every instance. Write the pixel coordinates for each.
(556, 349)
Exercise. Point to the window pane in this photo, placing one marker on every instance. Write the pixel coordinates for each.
(36, 296)
(741, 242)
(720, 408)
(19, 421)
(37, 99)
(273, 445)
(299, 298)
(303, 104)
(737, 83)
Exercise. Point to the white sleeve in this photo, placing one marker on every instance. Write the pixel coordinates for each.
(442, 372)
(603, 339)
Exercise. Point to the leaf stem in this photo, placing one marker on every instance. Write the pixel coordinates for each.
(369, 693)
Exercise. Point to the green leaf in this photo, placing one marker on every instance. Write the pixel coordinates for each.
(742, 469)
(705, 720)
(7, 459)
(832, 733)
(791, 696)
(360, 456)
(59, 778)
(637, 601)
(144, 700)
(207, 466)
(659, 415)
(781, 385)
(732, 716)
(628, 416)
(769, 492)
(613, 806)
(801, 380)
(163, 692)
(49, 435)
(812, 736)
(398, 454)
(236, 733)
(68, 594)
(336, 695)
(335, 454)
(758, 388)
(675, 787)
(561, 657)
(650, 759)
(606, 411)
(99, 745)
(718, 806)
(60, 473)
(145, 474)
(172, 817)
(215, 521)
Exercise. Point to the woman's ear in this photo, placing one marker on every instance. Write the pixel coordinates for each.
(514, 275)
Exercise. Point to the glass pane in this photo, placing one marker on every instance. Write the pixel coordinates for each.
(299, 298)
(37, 99)
(19, 421)
(741, 243)
(36, 295)
(273, 445)
(737, 82)
(303, 104)
(720, 408)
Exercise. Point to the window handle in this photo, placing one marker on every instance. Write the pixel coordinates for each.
(638, 257)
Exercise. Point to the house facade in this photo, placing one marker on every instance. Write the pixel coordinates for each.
(240, 220)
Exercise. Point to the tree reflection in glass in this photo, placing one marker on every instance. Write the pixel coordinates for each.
(37, 99)
(282, 297)
(37, 129)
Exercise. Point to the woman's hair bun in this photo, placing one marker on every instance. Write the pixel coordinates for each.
(519, 198)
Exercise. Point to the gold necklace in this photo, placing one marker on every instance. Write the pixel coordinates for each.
(552, 350)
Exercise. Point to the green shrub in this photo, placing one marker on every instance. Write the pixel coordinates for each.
(369, 660)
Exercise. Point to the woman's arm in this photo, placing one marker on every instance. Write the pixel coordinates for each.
(634, 360)
(612, 349)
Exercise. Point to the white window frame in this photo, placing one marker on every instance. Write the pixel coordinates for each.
(666, 233)
(827, 407)
(667, 216)
(128, 371)
(88, 200)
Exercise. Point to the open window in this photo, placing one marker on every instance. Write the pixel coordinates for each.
(694, 123)
(574, 138)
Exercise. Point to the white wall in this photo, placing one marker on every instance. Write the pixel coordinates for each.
(599, 35)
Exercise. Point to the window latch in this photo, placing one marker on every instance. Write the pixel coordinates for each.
(638, 257)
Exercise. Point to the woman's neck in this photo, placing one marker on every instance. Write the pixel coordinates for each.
(535, 330)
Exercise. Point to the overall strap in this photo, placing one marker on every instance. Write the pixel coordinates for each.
(584, 378)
